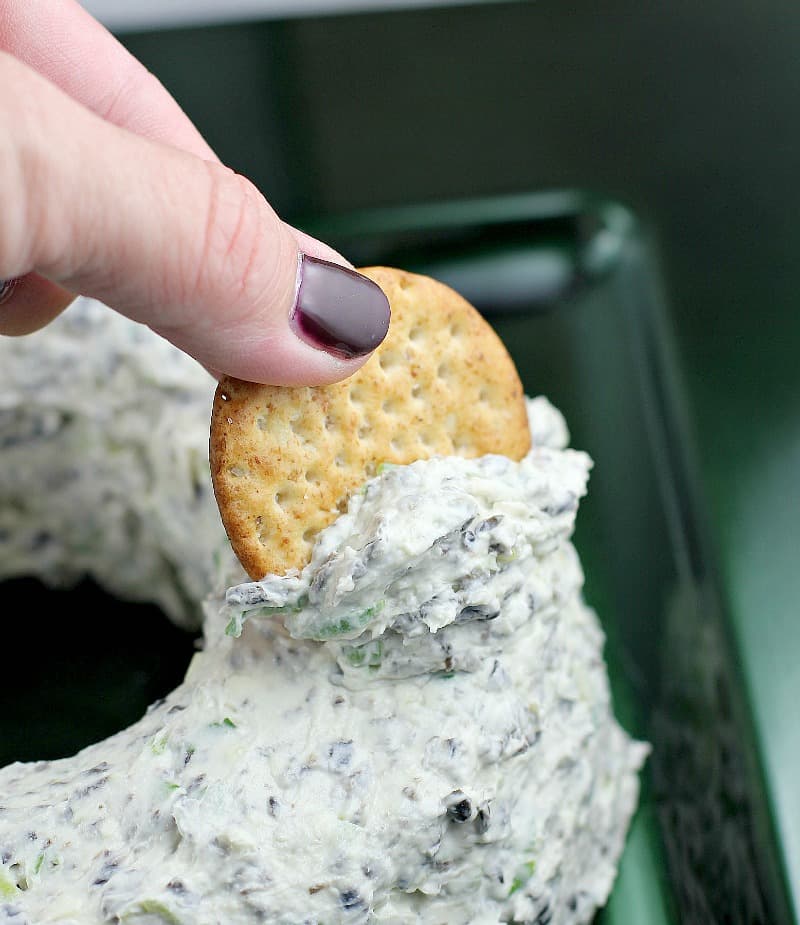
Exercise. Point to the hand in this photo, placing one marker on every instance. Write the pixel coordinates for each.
(107, 189)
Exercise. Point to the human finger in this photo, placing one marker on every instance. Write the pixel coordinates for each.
(181, 244)
(65, 44)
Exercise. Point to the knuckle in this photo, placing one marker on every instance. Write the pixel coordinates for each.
(116, 100)
(133, 91)
(238, 256)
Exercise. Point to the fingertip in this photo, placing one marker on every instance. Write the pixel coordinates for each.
(319, 330)
(338, 310)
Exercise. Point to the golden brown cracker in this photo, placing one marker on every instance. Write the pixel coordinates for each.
(284, 460)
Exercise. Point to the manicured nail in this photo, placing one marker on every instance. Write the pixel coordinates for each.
(338, 310)
(7, 287)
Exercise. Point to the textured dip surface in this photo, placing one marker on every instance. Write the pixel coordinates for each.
(416, 728)
(104, 444)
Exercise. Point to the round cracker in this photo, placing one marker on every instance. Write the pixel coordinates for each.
(284, 460)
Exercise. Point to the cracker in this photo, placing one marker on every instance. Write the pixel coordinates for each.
(284, 460)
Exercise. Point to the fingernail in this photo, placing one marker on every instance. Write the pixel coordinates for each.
(7, 287)
(338, 310)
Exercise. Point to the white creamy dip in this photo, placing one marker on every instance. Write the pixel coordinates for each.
(424, 734)
(104, 446)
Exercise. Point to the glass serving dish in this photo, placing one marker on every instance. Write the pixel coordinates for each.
(571, 285)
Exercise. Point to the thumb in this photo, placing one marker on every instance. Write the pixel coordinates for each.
(181, 244)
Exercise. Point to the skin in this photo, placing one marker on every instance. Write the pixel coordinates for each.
(108, 190)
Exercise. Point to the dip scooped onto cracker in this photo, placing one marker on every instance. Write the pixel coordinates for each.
(284, 460)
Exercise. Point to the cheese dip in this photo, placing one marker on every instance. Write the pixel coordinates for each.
(416, 728)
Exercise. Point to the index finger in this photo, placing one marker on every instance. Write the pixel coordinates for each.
(61, 41)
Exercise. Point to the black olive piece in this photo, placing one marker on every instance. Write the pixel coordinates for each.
(349, 899)
(320, 580)
(489, 524)
(97, 785)
(483, 819)
(40, 540)
(460, 812)
(106, 871)
(476, 613)
(248, 595)
(459, 807)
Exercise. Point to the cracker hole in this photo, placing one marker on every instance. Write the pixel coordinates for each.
(281, 497)
(387, 360)
(314, 477)
(443, 371)
(263, 423)
(308, 537)
(389, 406)
(363, 432)
(224, 396)
(397, 443)
(329, 423)
(340, 462)
(416, 391)
(300, 428)
(404, 282)
(415, 334)
(456, 330)
(483, 395)
(237, 472)
(356, 395)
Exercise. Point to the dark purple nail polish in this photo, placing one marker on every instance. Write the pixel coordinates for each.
(7, 287)
(338, 310)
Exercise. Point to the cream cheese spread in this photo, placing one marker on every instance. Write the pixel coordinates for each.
(416, 728)
(104, 445)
